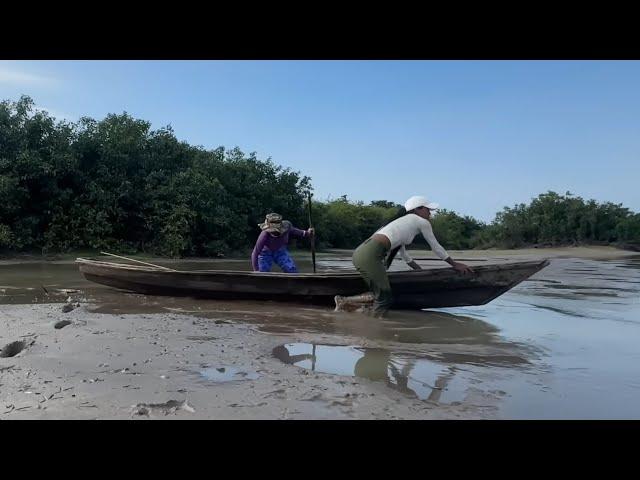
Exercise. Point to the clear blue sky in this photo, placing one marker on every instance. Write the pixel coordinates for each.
(474, 136)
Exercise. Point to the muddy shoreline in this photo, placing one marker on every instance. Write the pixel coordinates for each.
(145, 366)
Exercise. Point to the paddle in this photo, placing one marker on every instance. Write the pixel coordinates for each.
(312, 239)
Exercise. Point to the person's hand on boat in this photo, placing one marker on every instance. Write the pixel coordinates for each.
(462, 268)
(414, 265)
(459, 267)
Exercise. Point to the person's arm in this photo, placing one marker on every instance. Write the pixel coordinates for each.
(407, 258)
(427, 232)
(260, 243)
(390, 257)
(296, 232)
(300, 358)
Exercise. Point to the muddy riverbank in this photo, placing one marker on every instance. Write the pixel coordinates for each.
(112, 366)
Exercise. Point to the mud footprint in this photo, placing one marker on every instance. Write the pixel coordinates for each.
(12, 349)
(62, 324)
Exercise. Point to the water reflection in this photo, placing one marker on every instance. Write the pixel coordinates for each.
(282, 353)
(380, 365)
(413, 376)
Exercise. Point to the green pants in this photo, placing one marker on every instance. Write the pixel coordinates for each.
(368, 259)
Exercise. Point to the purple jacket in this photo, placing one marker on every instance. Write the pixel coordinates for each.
(268, 243)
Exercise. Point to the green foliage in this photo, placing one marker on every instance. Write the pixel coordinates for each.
(553, 219)
(454, 231)
(117, 184)
(5, 236)
(342, 224)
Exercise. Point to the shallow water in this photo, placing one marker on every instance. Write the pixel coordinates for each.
(413, 375)
(564, 344)
(227, 374)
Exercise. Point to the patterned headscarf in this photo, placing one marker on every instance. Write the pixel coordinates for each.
(273, 223)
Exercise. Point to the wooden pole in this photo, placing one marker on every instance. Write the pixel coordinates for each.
(312, 239)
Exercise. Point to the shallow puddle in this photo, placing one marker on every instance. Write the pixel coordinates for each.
(413, 376)
(227, 374)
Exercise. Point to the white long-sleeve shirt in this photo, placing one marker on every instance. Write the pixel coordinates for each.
(403, 230)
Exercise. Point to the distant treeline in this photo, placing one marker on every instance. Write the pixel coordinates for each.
(115, 184)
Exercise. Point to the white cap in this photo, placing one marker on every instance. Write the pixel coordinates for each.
(418, 201)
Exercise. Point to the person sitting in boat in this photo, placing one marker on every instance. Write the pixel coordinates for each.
(369, 257)
(271, 245)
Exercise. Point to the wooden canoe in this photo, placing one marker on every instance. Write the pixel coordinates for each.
(414, 289)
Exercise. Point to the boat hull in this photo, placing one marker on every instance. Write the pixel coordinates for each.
(429, 288)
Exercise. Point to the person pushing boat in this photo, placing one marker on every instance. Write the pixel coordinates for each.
(369, 258)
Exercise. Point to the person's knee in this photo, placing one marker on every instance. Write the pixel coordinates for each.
(286, 263)
(289, 266)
